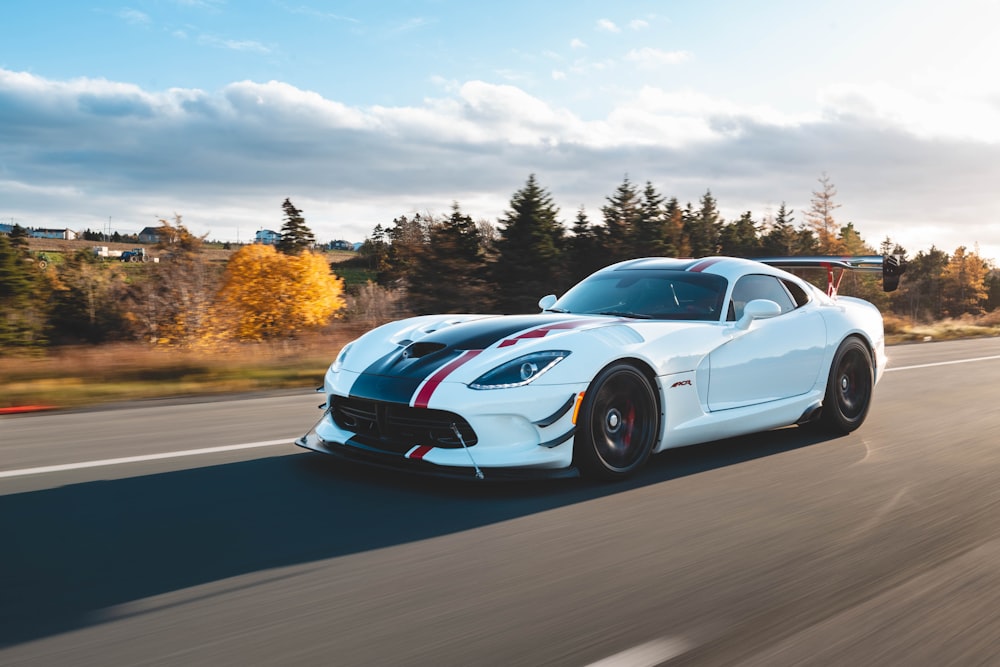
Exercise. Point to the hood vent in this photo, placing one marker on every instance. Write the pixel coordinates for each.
(417, 350)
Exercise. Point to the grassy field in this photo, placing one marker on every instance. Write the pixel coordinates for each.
(80, 376)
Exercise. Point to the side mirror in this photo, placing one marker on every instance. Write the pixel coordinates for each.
(758, 309)
(547, 302)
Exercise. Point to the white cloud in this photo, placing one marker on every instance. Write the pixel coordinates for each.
(925, 113)
(134, 16)
(577, 44)
(650, 58)
(607, 25)
(234, 44)
(638, 24)
(79, 151)
(558, 75)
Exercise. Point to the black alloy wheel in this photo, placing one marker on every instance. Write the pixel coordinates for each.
(849, 388)
(618, 423)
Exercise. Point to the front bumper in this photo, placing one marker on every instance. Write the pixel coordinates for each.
(355, 452)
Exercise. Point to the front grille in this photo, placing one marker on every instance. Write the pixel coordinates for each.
(397, 427)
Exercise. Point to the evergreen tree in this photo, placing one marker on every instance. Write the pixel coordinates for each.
(295, 235)
(449, 275)
(584, 250)
(649, 231)
(621, 215)
(921, 291)
(702, 227)
(780, 239)
(528, 264)
(739, 238)
(407, 238)
(675, 242)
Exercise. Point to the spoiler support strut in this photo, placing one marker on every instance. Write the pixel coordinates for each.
(890, 266)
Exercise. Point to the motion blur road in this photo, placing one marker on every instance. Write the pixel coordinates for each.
(785, 548)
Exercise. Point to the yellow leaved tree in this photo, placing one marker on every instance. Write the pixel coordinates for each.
(267, 295)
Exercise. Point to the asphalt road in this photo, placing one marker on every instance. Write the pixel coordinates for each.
(785, 548)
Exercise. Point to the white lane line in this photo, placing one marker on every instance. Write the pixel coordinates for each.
(649, 654)
(943, 363)
(137, 459)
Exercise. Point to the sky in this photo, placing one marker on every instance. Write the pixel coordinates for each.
(114, 115)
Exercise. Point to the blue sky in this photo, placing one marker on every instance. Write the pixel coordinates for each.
(116, 114)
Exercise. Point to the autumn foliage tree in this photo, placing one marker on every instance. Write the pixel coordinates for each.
(964, 283)
(267, 295)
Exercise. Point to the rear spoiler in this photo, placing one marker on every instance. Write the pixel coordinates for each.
(890, 266)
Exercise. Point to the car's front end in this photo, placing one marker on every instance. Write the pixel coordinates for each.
(492, 398)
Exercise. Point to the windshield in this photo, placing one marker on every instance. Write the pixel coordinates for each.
(647, 294)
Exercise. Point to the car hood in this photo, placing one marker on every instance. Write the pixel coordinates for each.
(393, 363)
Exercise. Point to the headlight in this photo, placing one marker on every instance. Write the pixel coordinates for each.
(519, 372)
(339, 361)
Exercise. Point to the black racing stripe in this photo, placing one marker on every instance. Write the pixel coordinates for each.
(396, 376)
(480, 334)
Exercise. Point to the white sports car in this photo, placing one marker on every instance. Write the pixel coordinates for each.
(639, 357)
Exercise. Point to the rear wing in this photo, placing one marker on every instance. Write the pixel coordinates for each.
(890, 266)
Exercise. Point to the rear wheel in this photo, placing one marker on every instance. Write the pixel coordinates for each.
(849, 388)
(618, 423)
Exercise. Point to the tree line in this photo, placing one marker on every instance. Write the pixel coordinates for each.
(425, 263)
(260, 293)
(453, 264)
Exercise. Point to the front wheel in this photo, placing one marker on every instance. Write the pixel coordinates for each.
(849, 388)
(618, 423)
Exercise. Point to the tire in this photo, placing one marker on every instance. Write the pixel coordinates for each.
(848, 389)
(618, 424)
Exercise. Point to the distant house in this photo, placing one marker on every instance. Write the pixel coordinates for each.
(149, 235)
(66, 234)
(267, 237)
(340, 245)
(6, 229)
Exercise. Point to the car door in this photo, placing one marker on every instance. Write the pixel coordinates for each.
(775, 358)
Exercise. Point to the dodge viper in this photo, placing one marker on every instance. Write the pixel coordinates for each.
(641, 356)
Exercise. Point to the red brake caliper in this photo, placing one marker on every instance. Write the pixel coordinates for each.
(628, 426)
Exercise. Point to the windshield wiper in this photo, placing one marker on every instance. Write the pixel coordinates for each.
(625, 313)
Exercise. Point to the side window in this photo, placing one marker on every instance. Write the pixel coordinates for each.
(800, 296)
(753, 287)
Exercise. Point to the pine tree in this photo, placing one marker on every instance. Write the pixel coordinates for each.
(621, 215)
(584, 251)
(448, 276)
(295, 235)
(921, 291)
(675, 241)
(407, 238)
(780, 239)
(702, 227)
(649, 231)
(739, 238)
(529, 258)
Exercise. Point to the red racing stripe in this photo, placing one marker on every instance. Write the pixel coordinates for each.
(542, 331)
(424, 392)
(418, 452)
(704, 264)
